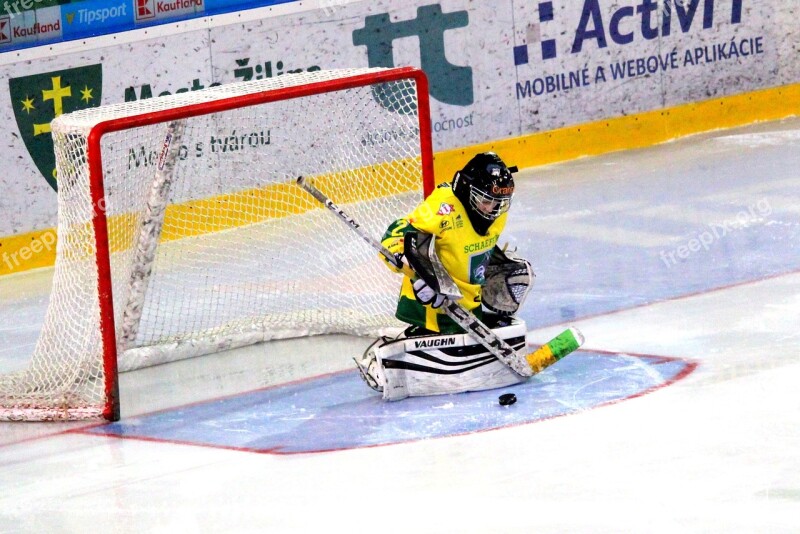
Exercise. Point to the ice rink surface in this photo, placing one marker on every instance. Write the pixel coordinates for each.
(681, 265)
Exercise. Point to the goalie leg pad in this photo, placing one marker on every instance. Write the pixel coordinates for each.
(445, 364)
(368, 366)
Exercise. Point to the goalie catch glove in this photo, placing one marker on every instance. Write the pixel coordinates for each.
(508, 280)
(425, 294)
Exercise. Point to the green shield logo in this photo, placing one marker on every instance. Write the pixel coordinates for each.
(40, 98)
(477, 267)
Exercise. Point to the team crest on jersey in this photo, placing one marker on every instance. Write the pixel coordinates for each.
(477, 267)
(445, 209)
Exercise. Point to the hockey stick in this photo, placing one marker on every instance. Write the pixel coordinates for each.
(350, 222)
(549, 353)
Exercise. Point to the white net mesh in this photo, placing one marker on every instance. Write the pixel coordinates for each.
(243, 254)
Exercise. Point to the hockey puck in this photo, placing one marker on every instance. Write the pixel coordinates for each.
(507, 399)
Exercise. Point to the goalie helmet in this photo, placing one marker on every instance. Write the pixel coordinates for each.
(485, 187)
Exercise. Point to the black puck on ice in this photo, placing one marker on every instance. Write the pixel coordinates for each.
(507, 399)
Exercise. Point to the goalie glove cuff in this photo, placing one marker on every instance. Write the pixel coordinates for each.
(395, 245)
(425, 294)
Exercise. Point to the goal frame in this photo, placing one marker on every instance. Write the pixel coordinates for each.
(111, 410)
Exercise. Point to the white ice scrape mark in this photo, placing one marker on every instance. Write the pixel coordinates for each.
(760, 139)
(640, 364)
(570, 405)
(577, 391)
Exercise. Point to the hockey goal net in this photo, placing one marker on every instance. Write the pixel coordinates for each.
(182, 231)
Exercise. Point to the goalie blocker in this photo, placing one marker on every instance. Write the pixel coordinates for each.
(438, 364)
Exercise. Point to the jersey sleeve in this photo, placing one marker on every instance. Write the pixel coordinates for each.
(393, 239)
(426, 217)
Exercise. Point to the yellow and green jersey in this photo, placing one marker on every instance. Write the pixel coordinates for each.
(463, 252)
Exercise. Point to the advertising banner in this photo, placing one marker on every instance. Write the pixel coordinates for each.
(26, 23)
(96, 17)
(582, 61)
(31, 28)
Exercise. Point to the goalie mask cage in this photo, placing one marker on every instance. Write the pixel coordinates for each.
(181, 230)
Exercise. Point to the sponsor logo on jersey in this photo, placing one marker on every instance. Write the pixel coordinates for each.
(445, 209)
(480, 272)
(431, 343)
(480, 246)
(459, 221)
(477, 267)
(39, 98)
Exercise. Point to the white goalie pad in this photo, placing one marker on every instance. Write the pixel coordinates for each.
(444, 364)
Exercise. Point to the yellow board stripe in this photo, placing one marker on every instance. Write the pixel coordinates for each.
(32, 250)
(224, 212)
(27, 251)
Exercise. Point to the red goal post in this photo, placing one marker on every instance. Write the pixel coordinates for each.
(182, 211)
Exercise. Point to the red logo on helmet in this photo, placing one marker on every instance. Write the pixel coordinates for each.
(502, 191)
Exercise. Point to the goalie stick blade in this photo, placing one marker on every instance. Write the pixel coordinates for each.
(557, 348)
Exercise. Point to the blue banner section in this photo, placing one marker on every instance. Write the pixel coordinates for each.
(91, 18)
(213, 7)
(340, 412)
(96, 17)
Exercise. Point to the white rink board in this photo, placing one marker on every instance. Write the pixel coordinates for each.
(479, 46)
